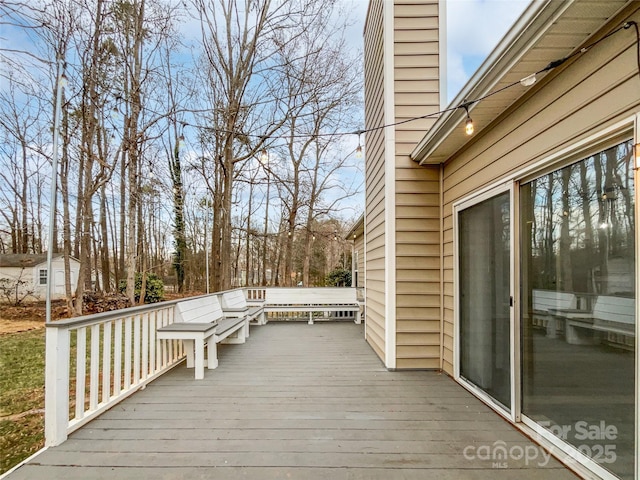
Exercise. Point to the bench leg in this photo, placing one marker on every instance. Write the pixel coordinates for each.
(576, 335)
(199, 359)
(188, 347)
(310, 318)
(246, 327)
(551, 327)
(237, 337)
(212, 354)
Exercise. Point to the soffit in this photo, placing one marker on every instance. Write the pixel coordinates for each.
(547, 31)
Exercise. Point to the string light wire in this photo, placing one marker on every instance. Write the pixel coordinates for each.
(526, 81)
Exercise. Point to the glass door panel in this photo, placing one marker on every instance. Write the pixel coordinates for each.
(484, 276)
(578, 306)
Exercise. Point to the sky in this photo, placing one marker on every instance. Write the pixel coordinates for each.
(474, 28)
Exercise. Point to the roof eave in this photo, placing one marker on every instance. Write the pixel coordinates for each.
(533, 22)
(357, 226)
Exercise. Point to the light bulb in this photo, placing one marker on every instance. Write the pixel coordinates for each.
(63, 80)
(528, 80)
(264, 155)
(181, 142)
(359, 152)
(468, 126)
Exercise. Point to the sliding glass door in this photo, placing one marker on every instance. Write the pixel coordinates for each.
(484, 296)
(565, 363)
(578, 287)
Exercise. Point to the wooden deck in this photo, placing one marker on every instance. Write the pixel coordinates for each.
(296, 401)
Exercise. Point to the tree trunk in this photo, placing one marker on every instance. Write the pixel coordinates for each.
(104, 248)
(565, 274)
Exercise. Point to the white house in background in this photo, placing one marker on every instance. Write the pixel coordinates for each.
(32, 270)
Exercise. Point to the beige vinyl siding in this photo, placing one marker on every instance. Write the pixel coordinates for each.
(417, 195)
(597, 90)
(375, 178)
(359, 247)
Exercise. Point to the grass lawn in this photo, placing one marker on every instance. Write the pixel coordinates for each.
(21, 390)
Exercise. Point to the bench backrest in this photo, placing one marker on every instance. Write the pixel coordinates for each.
(234, 299)
(615, 309)
(543, 300)
(311, 296)
(199, 310)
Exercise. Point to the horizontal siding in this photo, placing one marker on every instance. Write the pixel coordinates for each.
(417, 188)
(597, 90)
(422, 322)
(428, 237)
(375, 179)
(360, 266)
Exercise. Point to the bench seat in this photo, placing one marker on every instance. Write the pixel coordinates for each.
(234, 304)
(199, 322)
(546, 303)
(612, 321)
(334, 302)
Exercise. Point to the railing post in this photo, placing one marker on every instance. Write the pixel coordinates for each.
(56, 398)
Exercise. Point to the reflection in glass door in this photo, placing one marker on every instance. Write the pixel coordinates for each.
(484, 276)
(578, 306)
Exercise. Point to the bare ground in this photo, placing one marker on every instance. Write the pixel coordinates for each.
(31, 316)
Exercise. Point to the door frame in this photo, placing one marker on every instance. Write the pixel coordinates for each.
(513, 413)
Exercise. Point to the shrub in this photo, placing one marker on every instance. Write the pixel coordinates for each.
(339, 277)
(154, 290)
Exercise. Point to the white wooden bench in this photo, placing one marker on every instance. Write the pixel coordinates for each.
(201, 321)
(334, 302)
(613, 320)
(547, 304)
(234, 304)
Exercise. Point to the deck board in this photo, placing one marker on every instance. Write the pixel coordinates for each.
(296, 401)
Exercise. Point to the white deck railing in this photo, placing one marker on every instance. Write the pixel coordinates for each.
(95, 361)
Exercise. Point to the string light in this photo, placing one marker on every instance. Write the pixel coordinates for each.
(264, 155)
(468, 125)
(181, 142)
(527, 81)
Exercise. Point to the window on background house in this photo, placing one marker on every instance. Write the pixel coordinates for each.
(578, 305)
(43, 277)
